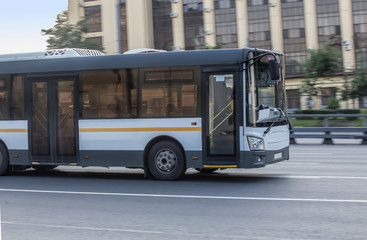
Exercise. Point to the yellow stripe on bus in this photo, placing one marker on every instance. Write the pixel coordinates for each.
(157, 129)
(220, 166)
(13, 130)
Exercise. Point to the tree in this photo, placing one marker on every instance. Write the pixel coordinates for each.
(65, 35)
(358, 88)
(322, 62)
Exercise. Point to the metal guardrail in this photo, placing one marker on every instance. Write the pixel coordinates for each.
(328, 133)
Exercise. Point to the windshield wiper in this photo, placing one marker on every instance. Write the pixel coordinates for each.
(269, 128)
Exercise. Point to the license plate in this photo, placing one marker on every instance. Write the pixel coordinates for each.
(278, 155)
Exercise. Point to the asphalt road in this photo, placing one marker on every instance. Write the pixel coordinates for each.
(321, 193)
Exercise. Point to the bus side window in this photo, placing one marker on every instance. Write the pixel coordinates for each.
(108, 94)
(170, 92)
(4, 98)
(17, 98)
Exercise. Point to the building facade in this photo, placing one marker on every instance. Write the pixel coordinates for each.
(290, 26)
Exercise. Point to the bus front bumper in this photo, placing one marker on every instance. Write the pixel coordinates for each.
(256, 159)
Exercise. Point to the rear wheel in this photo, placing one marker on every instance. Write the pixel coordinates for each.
(166, 161)
(5, 168)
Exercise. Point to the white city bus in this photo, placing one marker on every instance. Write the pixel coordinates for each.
(163, 112)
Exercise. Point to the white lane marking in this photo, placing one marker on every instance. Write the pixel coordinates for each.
(127, 230)
(187, 196)
(308, 153)
(319, 177)
(295, 163)
(84, 228)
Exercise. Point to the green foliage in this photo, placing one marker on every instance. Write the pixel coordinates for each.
(169, 47)
(322, 62)
(333, 103)
(359, 84)
(207, 46)
(309, 87)
(65, 35)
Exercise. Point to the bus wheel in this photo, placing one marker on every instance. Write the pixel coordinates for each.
(206, 170)
(166, 161)
(5, 168)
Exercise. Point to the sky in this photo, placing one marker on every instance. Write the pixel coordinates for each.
(21, 22)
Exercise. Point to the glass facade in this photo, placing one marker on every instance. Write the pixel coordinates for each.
(162, 24)
(328, 22)
(360, 31)
(259, 24)
(225, 22)
(194, 24)
(294, 35)
(93, 18)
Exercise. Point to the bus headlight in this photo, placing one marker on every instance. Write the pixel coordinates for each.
(256, 143)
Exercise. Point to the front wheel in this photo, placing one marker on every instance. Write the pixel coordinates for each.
(5, 168)
(166, 161)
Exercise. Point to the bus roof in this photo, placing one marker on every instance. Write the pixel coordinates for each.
(156, 59)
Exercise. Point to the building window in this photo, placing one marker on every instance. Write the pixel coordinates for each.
(328, 22)
(97, 40)
(93, 18)
(360, 31)
(162, 24)
(109, 94)
(294, 36)
(259, 24)
(123, 27)
(293, 100)
(225, 23)
(194, 24)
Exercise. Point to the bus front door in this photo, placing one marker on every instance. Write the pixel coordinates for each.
(220, 113)
(52, 121)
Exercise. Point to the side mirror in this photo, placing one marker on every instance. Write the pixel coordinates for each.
(274, 70)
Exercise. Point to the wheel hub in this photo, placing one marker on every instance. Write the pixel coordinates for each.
(165, 160)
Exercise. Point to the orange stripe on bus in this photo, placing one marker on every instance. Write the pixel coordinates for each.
(158, 129)
(13, 130)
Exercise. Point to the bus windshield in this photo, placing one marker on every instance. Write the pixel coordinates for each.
(265, 96)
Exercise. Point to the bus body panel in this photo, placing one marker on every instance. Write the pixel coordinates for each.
(121, 142)
(277, 138)
(135, 134)
(14, 134)
(276, 145)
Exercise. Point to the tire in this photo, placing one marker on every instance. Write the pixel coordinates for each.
(5, 168)
(206, 170)
(44, 167)
(166, 161)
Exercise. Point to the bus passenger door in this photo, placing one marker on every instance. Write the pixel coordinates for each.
(220, 129)
(52, 122)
